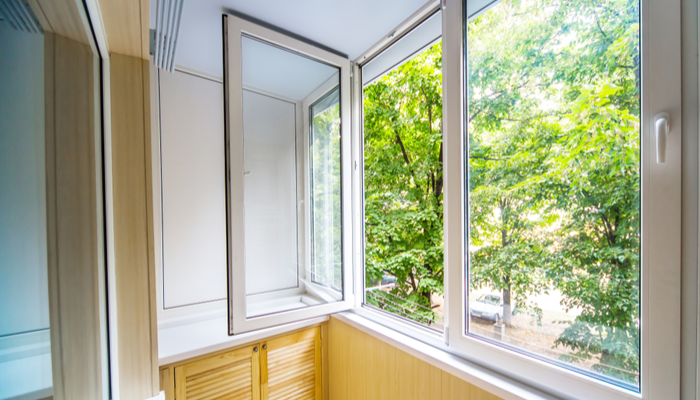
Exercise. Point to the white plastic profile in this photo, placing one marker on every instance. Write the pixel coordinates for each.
(662, 126)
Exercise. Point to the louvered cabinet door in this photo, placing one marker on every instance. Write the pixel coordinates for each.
(231, 376)
(291, 367)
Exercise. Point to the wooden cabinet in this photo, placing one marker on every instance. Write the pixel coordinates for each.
(292, 367)
(232, 375)
(287, 367)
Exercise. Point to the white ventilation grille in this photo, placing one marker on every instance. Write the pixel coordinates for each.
(168, 15)
(19, 15)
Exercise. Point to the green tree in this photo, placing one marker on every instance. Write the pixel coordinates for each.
(554, 171)
(404, 181)
(554, 165)
(326, 244)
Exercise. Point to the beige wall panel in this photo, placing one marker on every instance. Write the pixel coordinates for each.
(62, 17)
(145, 29)
(352, 375)
(72, 219)
(363, 367)
(138, 373)
(454, 388)
(126, 23)
(416, 379)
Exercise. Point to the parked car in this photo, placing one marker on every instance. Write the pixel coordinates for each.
(488, 306)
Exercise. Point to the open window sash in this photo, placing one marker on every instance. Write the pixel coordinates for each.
(258, 296)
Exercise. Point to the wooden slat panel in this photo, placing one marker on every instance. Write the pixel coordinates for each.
(284, 341)
(231, 375)
(219, 374)
(220, 360)
(294, 366)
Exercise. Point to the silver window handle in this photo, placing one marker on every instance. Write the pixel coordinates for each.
(662, 125)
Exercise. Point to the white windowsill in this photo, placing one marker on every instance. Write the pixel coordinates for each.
(478, 376)
(186, 341)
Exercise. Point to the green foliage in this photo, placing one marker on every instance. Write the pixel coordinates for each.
(554, 166)
(326, 244)
(403, 180)
(554, 172)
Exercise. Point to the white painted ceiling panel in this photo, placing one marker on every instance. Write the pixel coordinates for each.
(349, 27)
(281, 72)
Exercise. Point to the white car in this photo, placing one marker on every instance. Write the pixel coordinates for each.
(488, 306)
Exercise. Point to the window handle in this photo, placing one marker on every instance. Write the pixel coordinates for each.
(662, 125)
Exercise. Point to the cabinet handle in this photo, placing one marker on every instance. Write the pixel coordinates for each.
(255, 348)
(264, 347)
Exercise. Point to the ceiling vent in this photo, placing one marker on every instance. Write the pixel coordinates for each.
(168, 16)
(19, 15)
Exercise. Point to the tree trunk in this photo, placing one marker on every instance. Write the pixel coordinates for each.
(507, 310)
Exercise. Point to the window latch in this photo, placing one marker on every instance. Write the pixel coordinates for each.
(662, 125)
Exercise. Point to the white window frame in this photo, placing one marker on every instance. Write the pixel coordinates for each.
(409, 328)
(661, 226)
(234, 29)
(320, 92)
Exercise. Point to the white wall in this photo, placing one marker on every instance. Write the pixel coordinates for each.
(23, 288)
(193, 190)
(270, 193)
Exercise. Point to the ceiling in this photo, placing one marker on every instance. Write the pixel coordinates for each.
(280, 72)
(347, 26)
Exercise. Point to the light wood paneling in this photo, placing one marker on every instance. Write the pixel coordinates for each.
(232, 375)
(324, 361)
(62, 17)
(73, 238)
(133, 232)
(127, 25)
(363, 367)
(416, 379)
(167, 383)
(454, 388)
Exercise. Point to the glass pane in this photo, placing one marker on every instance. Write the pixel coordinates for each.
(554, 183)
(326, 250)
(278, 88)
(25, 346)
(403, 185)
